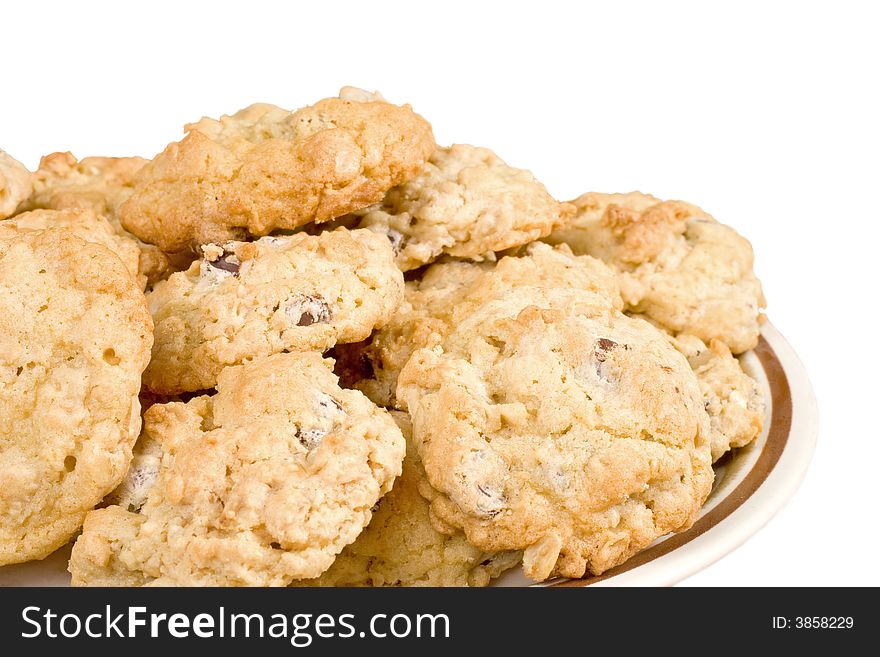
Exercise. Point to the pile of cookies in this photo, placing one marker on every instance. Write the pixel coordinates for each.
(315, 348)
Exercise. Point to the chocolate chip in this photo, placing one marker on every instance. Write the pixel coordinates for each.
(494, 500)
(328, 402)
(307, 310)
(603, 346)
(310, 438)
(227, 261)
(398, 240)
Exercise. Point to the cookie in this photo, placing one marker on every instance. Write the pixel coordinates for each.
(101, 185)
(75, 336)
(15, 184)
(466, 202)
(248, 299)
(677, 264)
(444, 296)
(83, 223)
(401, 547)
(265, 168)
(549, 422)
(731, 397)
(264, 482)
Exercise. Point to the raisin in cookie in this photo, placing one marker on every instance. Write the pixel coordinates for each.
(401, 547)
(677, 264)
(265, 168)
(83, 223)
(261, 483)
(75, 336)
(466, 202)
(445, 295)
(99, 184)
(15, 184)
(547, 421)
(731, 397)
(248, 299)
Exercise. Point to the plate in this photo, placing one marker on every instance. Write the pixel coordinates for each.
(751, 485)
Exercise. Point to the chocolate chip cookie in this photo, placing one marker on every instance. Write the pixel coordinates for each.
(466, 202)
(549, 422)
(242, 300)
(265, 168)
(261, 483)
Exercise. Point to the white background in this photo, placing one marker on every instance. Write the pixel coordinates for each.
(766, 114)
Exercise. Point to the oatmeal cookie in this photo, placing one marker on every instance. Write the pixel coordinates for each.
(265, 168)
(466, 202)
(248, 299)
(15, 184)
(731, 397)
(83, 223)
(549, 422)
(445, 295)
(401, 547)
(101, 185)
(261, 483)
(75, 336)
(677, 264)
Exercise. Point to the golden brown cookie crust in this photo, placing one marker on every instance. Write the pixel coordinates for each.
(265, 168)
(75, 336)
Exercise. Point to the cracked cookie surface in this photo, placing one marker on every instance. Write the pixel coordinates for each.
(465, 202)
(248, 299)
(265, 168)
(401, 547)
(75, 336)
(261, 483)
(677, 265)
(550, 422)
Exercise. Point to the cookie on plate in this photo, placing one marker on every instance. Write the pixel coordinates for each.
(444, 296)
(15, 184)
(83, 223)
(248, 299)
(466, 202)
(549, 422)
(401, 547)
(100, 185)
(677, 264)
(732, 398)
(262, 483)
(75, 336)
(265, 168)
